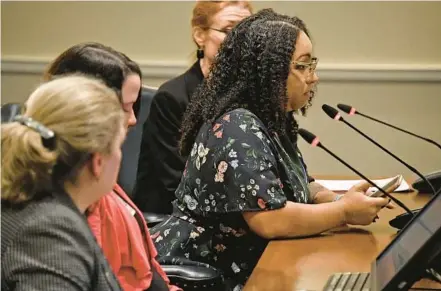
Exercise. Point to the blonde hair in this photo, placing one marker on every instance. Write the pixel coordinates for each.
(82, 112)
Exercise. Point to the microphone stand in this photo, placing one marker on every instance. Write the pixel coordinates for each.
(400, 129)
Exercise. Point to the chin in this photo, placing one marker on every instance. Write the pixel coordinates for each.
(298, 107)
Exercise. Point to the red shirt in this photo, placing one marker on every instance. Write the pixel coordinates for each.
(122, 233)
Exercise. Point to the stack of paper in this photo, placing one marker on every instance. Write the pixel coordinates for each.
(344, 185)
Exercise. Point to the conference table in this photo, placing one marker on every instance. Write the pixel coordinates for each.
(307, 263)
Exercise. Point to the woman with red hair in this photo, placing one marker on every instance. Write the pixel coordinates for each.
(160, 164)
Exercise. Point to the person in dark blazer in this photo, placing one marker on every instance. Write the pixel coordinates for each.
(60, 156)
(160, 165)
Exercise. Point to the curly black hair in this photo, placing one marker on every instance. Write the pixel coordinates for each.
(250, 71)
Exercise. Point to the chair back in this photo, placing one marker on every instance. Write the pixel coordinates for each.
(9, 110)
(132, 144)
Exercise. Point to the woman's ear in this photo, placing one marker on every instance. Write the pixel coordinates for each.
(199, 36)
(96, 164)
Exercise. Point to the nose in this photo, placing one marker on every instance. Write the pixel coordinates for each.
(131, 120)
(314, 78)
(222, 37)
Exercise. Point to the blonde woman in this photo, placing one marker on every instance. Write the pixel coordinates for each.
(58, 158)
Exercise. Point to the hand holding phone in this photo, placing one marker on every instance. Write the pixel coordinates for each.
(389, 187)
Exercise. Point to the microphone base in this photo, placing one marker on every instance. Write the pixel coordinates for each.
(434, 178)
(402, 220)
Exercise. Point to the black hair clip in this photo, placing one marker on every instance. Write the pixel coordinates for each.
(47, 135)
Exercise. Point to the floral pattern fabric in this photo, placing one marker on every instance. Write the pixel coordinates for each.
(235, 166)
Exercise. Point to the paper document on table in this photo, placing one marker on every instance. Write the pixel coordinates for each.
(344, 185)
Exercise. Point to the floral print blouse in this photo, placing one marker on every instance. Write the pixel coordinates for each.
(235, 165)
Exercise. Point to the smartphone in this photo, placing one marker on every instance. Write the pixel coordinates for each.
(390, 186)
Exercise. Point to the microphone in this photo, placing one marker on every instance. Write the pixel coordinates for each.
(400, 221)
(352, 111)
(334, 114)
(315, 142)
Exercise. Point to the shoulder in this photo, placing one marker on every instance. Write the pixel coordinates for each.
(110, 206)
(240, 122)
(44, 211)
(48, 217)
(171, 98)
(172, 89)
(126, 200)
(238, 129)
(242, 115)
(50, 237)
(181, 87)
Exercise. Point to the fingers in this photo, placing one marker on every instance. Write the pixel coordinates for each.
(380, 201)
(391, 205)
(361, 186)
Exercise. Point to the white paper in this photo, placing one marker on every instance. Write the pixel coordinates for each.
(345, 185)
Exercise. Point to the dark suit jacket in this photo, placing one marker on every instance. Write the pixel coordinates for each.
(47, 245)
(160, 165)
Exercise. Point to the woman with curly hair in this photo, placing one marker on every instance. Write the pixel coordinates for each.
(245, 182)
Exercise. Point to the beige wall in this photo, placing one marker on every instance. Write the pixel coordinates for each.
(366, 32)
(372, 54)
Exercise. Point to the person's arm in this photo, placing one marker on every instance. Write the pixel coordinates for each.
(321, 194)
(318, 193)
(49, 253)
(297, 220)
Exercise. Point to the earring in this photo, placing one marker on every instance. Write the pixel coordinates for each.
(200, 53)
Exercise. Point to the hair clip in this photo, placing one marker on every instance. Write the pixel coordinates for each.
(47, 135)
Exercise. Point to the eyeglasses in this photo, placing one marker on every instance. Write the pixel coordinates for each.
(306, 67)
(223, 30)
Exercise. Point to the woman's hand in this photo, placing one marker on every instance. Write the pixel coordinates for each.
(360, 209)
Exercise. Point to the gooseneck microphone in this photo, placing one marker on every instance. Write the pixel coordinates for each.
(334, 114)
(352, 111)
(314, 141)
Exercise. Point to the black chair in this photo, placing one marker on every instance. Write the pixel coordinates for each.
(9, 110)
(187, 275)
